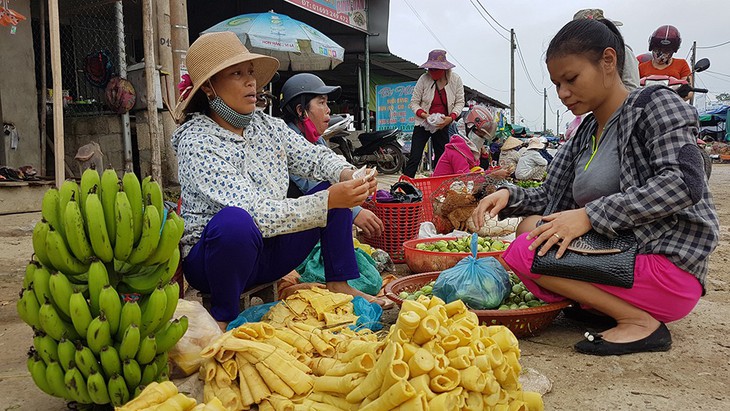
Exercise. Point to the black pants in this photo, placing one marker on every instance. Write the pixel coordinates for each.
(418, 143)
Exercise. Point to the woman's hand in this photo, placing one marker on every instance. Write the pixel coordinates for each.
(346, 174)
(493, 203)
(369, 223)
(560, 228)
(445, 122)
(351, 193)
(500, 173)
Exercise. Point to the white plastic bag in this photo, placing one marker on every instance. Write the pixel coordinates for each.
(202, 330)
(494, 227)
(432, 122)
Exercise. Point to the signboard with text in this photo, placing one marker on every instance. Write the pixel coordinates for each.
(392, 106)
(351, 13)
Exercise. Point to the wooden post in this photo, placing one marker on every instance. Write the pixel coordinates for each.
(44, 86)
(151, 74)
(58, 142)
(179, 40)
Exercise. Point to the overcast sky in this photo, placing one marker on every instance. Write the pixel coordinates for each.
(482, 55)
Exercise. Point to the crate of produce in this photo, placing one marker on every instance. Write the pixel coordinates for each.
(427, 186)
(522, 322)
(421, 256)
(401, 221)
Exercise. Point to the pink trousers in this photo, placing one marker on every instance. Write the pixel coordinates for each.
(660, 288)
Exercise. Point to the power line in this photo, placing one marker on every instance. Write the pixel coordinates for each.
(717, 77)
(524, 66)
(488, 22)
(716, 45)
(492, 17)
(719, 74)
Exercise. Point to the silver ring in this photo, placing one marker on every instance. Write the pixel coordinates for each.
(558, 235)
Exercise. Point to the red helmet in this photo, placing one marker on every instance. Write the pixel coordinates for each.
(482, 119)
(665, 37)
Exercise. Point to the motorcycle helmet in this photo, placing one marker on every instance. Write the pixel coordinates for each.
(665, 38)
(306, 83)
(481, 118)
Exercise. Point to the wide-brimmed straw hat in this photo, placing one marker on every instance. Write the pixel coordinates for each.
(594, 14)
(213, 52)
(535, 142)
(511, 143)
(437, 60)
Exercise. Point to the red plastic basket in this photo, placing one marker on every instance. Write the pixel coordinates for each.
(421, 261)
(427, 186)
(401, 221)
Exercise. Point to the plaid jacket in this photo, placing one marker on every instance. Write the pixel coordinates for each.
(664, 197)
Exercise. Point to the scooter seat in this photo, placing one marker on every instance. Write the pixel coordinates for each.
(367, 138)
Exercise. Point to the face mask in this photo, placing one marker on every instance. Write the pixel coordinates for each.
(661, 57)
(228, 114)
(309, 129)
(437, 74)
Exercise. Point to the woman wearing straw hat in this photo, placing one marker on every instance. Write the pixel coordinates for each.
(234, 165)
(437, 91)
(532, 165)
(509, 155)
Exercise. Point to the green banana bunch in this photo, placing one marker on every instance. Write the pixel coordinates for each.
(130, 342)
(149, 373)
(41, 279)
(145, 282)
(131, 314)
(76, 231)
(69, 189)
(110, 362)
(132, 372)
(40, 231)
(172, 293)
(51, 209)
(109, 188)
(89, 179)
(161, 360)
(85, 360)
(96, 225)
(66, 353)
(123, 216)
(99, 333)
(61, 291)
(169, 241)
(153, 308)
(76, 386)
(170, 334)
(80, 313)
(55, 379)
(52, 324)
(96, 386)
(28, 307)
(46, 347)
(29, 273)
(172, 265)
(152, 191)
(111, 305)
(60, 256)
(118, 391)
(131, 186)
(98, 278)
(37, 369)
(147, 350)
(150, 236)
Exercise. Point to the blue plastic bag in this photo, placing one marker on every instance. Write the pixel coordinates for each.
(481, 283)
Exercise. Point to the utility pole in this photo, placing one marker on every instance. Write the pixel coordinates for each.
(557, 123)
(544, 110)
(692, 79)
(512, 48)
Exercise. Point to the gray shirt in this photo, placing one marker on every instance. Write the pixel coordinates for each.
(598, 176)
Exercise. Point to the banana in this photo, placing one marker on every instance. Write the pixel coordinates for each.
(162, 362)
(80, 313)
(109, 189)
(131, 314)
(118, 391)
(55, 380)
(172, 292)
(85, 360)
(37, 369)
(132, 373)
(146, 282)
(60, 257)
(111, 305)
(169, 241)
(76, 232)
(53, 325)
(98, 278)
(66, 353)
(110, 362)
(148, 373)
(130, 342)
(89, 179)
(171, 333)
(28, 307)
(152, 192)
(61, 291)
(40, 231)
(46, 347)
(69, 189)
(130, 184)
(99, 333)
(41, 286)
(150, 236)
(172, 266)
(51, 209)
(95, 224)
(76, 386)
(153, 308)
(96, 386)
(123, 217)
(147, 350)
(30, 273)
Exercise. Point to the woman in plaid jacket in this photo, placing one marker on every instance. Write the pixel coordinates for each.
(633, 165)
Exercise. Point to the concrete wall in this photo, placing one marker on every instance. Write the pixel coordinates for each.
(105, 130)
(18, 89)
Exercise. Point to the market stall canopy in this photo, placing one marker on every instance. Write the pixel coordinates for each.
(297, 46)
(713, 116)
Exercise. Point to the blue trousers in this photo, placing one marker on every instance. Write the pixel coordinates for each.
(232, 255)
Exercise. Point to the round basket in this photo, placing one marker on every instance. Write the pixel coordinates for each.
(422, 261)
(401, 221)
(522, 322)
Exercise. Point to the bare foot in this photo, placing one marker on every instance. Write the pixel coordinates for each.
(223, 325)
(344, 288)
(629, 332)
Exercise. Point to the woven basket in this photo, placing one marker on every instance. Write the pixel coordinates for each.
(522, 322)
(401, 222)
(421, 261)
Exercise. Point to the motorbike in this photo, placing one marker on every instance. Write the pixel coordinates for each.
(379, 149)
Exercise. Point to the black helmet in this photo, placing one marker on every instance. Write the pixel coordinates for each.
(665, 37)
(306, 83)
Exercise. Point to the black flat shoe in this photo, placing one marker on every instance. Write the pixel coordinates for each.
(594, 344)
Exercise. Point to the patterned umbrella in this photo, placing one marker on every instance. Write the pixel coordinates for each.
(297, 46)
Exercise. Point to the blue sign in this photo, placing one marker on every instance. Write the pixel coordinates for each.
(392, 106)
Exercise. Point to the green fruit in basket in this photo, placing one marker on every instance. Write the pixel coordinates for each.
(403, 295)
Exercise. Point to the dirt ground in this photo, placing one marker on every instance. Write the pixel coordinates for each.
(694, 375)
